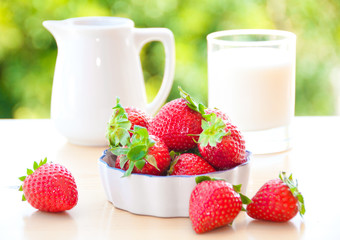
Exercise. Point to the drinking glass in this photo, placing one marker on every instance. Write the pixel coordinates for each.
(251, 77)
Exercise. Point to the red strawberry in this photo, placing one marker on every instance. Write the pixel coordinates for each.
(144, 154)
(221, 144)
(214, 203)
(190, 164)
(123, 120)
(137, 117)
(50, 187)
(277, 200)
(175, 123)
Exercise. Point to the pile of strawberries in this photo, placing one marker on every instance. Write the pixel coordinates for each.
(187, 138)
(184, 138)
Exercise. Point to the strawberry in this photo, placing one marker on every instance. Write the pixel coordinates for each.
(50, 187)
(277, 200)
(177, 124)
(214, 203)
(123, 120)
(144, 154)
(221, 144)
(190, 164)
(137, 117)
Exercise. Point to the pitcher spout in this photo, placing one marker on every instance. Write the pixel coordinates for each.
(54, 27)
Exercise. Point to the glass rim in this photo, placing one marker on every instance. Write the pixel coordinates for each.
(286, 36)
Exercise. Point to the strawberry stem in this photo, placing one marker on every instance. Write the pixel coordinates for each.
(213, 126)
(118, 127)
(136, 150)
(213, 131)
(192, 104)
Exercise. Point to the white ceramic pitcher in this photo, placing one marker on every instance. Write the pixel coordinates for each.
(98, 60)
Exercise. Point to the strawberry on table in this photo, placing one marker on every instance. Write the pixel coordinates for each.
(277, 200)
(50, 187)
(190, 164)
(144, 154)
(123, 120)
(214, 203)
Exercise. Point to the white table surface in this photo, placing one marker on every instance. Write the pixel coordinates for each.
(314, 161)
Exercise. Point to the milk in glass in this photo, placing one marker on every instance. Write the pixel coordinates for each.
(254, 86)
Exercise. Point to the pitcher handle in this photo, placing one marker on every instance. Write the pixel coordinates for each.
(165, 36)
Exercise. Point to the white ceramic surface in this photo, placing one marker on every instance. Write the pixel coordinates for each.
(161, 196)
(98, 60)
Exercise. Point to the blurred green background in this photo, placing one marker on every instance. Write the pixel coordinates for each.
(28, 51)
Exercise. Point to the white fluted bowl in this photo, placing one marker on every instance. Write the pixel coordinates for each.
(161, 196)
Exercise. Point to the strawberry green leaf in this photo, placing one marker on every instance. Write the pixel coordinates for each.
(237, 188)
(118, 127)
(122, 161)
(174, 154)
(293, 186)
(140, 164)
(122, 136)
(21, 189)
(22, 178)
(152, 161)
(201, 108)
(302, 209)
(136, 153)
(198, 107)
(204, 140)
(213, 131)
(129, 171)
(205, 124)
(200, 179)
(245, 199)
(119, 151)
(141, 137)
(35, 165)
(29, 171)
(140, 131)
(174, 158)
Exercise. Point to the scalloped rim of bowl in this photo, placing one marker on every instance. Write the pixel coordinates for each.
(160, 196)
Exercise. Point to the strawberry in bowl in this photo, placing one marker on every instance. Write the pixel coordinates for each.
(151, 169)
